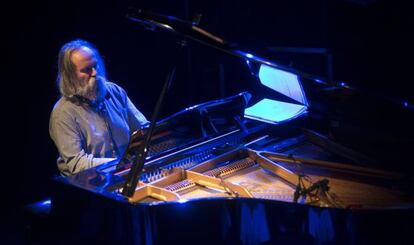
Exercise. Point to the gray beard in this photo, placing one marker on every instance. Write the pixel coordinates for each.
(95, 89)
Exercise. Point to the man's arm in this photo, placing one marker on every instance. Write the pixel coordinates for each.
(136, 119)
(68, 139)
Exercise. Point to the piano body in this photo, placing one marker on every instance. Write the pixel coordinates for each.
(242, 170)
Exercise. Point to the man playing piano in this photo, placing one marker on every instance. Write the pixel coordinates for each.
(92, 121)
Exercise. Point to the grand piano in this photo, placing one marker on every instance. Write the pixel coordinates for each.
(249, 168)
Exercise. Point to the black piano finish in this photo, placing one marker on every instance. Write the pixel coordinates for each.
(85, 218)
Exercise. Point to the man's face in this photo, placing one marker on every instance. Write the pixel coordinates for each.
(85, 69)
(85, 63)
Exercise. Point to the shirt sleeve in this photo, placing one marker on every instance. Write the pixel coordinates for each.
(136, 119)
(67, 137)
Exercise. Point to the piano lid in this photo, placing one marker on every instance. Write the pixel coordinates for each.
(191, 30)
(280, 79)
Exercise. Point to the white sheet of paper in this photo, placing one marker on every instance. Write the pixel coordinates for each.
(273, 111)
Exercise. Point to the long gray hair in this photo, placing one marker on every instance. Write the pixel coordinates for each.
(66, 79)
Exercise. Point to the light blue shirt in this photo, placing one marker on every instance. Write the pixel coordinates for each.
(87, 135)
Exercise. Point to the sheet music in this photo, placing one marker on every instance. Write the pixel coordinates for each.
(272, 111)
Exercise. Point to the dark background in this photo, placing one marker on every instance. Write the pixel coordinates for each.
(369, 40)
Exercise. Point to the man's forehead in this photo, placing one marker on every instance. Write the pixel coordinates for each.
(82, 54)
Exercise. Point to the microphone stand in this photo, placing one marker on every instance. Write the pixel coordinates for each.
(139, 161)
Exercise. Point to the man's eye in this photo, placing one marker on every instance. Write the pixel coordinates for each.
(86, 70)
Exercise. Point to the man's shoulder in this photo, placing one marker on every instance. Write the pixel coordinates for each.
(115, 89)
(63, 106)
(113, 86)
(61, 103)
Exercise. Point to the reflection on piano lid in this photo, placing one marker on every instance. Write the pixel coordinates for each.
(192, 125)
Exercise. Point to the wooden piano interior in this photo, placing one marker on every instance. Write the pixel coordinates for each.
(301, 171)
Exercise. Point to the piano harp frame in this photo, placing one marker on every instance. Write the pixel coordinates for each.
(158, 190)
(284, 167)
